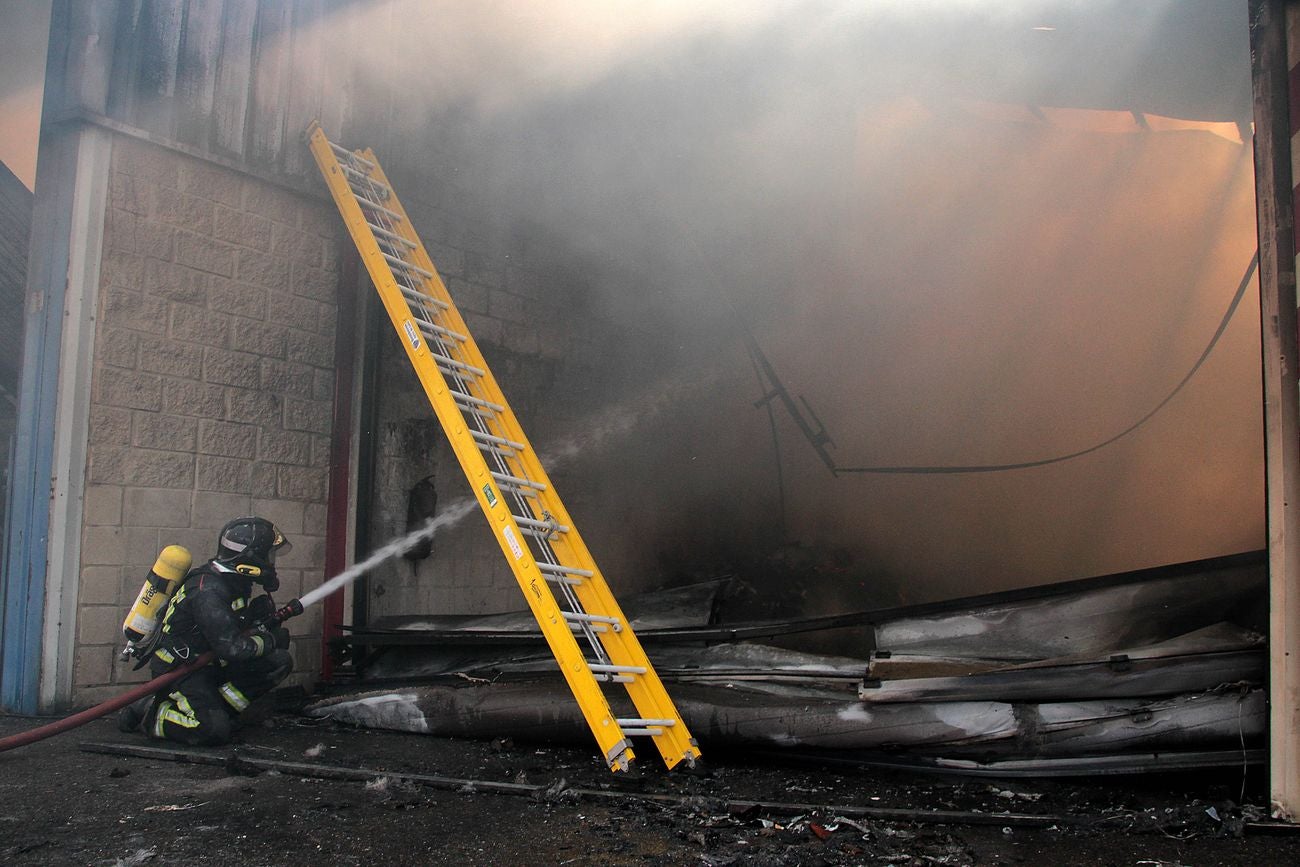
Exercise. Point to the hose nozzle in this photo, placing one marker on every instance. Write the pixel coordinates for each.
(292, 609)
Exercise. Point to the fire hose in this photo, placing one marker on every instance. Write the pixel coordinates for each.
(175, 566)
(22, 739)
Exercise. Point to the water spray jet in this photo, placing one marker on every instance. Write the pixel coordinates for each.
(292, 609)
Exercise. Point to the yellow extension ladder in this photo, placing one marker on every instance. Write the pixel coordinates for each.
(557, 574)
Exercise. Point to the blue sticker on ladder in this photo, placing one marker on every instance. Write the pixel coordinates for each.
(412, 335)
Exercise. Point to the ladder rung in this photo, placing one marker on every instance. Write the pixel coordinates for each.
(578, 617)
(458, 365)
(431, 328)
(341, 151)
(613, 678)
(563, 579)
(478, 413)
(648, 732)
(512, 484)
(364, 188)
(393, 236)
(459, 374)
(416, 295)
(638, 721)
(375, 206)
(498, 450)
(496, 440)
(402, 263)
(596, 627)
(550, 526)
(616, 669)
(362, 176)
(470, 399)
(548, 533)
(564, 570)
(519, 482)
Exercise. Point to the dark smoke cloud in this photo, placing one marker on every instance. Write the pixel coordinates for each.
(939, 220)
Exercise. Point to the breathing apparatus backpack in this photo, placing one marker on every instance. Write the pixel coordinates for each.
(141, 624)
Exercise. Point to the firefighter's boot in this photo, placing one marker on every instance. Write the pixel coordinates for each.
(133, 715)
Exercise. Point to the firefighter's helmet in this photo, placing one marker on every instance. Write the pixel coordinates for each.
(253, 543)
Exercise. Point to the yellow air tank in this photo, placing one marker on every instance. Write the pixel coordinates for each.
(167, 573)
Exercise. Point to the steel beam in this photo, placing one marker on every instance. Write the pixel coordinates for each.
(1274, 193)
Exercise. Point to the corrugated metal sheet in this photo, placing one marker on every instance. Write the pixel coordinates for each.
(240, 79)
(15, 225)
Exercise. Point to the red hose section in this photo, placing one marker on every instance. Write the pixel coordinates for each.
(22, 739)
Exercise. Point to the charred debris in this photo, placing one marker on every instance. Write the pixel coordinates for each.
(1161, 669)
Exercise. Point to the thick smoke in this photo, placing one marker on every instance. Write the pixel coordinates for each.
(966, 232)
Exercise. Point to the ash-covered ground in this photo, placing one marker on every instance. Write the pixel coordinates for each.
(60, 804)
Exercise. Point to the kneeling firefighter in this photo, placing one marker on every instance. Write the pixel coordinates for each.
(212, 610)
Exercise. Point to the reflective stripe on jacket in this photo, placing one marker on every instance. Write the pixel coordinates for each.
(204, 615)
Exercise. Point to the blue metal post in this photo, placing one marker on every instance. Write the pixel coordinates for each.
(28, 512)
(23, 577)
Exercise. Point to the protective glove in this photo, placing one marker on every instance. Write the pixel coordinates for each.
(281, 637)
(259, 609)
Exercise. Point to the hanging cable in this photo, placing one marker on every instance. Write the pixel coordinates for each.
(1023, 465)
(776, 449)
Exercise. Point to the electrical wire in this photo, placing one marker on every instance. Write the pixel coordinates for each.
(776, 448)
(1023, 465)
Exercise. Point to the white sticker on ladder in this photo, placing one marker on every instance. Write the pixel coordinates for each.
(412, 335)
(512, 541)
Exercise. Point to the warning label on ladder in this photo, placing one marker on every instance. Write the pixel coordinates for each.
(411, 334)
(515, 547)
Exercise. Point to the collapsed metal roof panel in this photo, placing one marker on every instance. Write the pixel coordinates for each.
(1112, 672)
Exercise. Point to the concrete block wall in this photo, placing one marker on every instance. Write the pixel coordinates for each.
(213, 386)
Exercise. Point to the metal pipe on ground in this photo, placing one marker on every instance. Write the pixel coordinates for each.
(732, 805)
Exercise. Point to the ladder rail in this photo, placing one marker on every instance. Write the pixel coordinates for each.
(618, 647)
(397, 230)
(572, 662)
(537, 536)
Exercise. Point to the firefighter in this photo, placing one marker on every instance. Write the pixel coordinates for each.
(214, 609)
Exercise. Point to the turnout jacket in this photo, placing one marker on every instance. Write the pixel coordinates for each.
(207, 613)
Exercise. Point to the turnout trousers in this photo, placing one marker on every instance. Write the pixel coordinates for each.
(201, 709)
